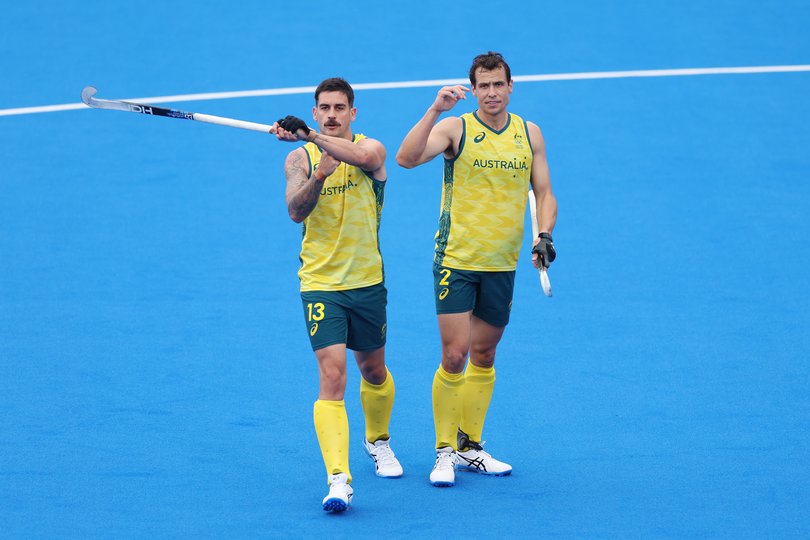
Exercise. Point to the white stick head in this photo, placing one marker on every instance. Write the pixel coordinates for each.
(545, 282)
(87, 94)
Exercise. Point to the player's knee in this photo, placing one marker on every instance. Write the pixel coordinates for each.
(373, 373)
(454, 359)
(483, 356)
(332, 387)
(333, 374)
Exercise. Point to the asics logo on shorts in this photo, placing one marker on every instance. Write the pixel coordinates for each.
(443, 294)
(313, 329)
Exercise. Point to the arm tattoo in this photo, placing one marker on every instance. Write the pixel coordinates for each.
(304, 191)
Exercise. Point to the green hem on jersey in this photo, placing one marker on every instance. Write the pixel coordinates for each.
(378, 186)
(444, 219)
(309, 163)
(461, 141)
(528, 136)
(368, 175)
(495, 131)
(447, 179)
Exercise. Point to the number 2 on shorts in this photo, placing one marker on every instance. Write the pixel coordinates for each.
(446, 273)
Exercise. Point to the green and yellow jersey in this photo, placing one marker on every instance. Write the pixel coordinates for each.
(340, 249)
(484, 197)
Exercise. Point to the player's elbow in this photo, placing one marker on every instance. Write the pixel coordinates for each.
(295, 215)
(368, 161)
(372, 157)
(405, 161)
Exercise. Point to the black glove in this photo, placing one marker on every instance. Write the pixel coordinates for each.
(545, 249)
(293, 124)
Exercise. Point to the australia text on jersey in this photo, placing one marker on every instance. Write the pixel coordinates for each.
(500, 164)
(337, 190)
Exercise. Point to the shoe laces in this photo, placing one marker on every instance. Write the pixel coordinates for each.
(445, 460)
(482, 453)
(384, 454)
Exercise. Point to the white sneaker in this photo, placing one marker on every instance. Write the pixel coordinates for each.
(340, 493)
(477, 460)
(385, 462)
(444, 471)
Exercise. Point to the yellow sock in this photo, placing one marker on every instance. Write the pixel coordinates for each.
(447, 402)
(332, 428)
(477, 392)
(377, 400)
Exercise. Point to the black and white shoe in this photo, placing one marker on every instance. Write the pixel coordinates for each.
(386, 463)
(472, 457)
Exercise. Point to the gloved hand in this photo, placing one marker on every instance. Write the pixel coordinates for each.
(293, 124)
(545, 249)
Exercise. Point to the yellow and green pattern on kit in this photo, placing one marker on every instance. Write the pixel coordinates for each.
(484, 197)
(340, 249)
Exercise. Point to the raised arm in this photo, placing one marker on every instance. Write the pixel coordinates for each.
(541, 187)
(303, 188)
(427, 139)
(368, 154)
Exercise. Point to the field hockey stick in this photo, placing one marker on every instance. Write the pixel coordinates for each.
(126, 106)
(544, 281)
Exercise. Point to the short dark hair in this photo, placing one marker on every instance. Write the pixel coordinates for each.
(335, 84)
(489, 61)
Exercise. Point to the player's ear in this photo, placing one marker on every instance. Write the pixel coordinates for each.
(353, 113)
(315, 113)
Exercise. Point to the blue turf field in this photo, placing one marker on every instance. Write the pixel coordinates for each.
(155, 375)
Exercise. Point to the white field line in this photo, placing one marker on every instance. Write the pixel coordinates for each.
(436, 82)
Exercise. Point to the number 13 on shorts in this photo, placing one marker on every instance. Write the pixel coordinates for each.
(315, 313)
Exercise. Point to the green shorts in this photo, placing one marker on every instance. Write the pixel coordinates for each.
(487, 294)
(355, 317)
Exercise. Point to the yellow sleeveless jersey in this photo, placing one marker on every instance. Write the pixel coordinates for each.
(484, 197)
(340, 249)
